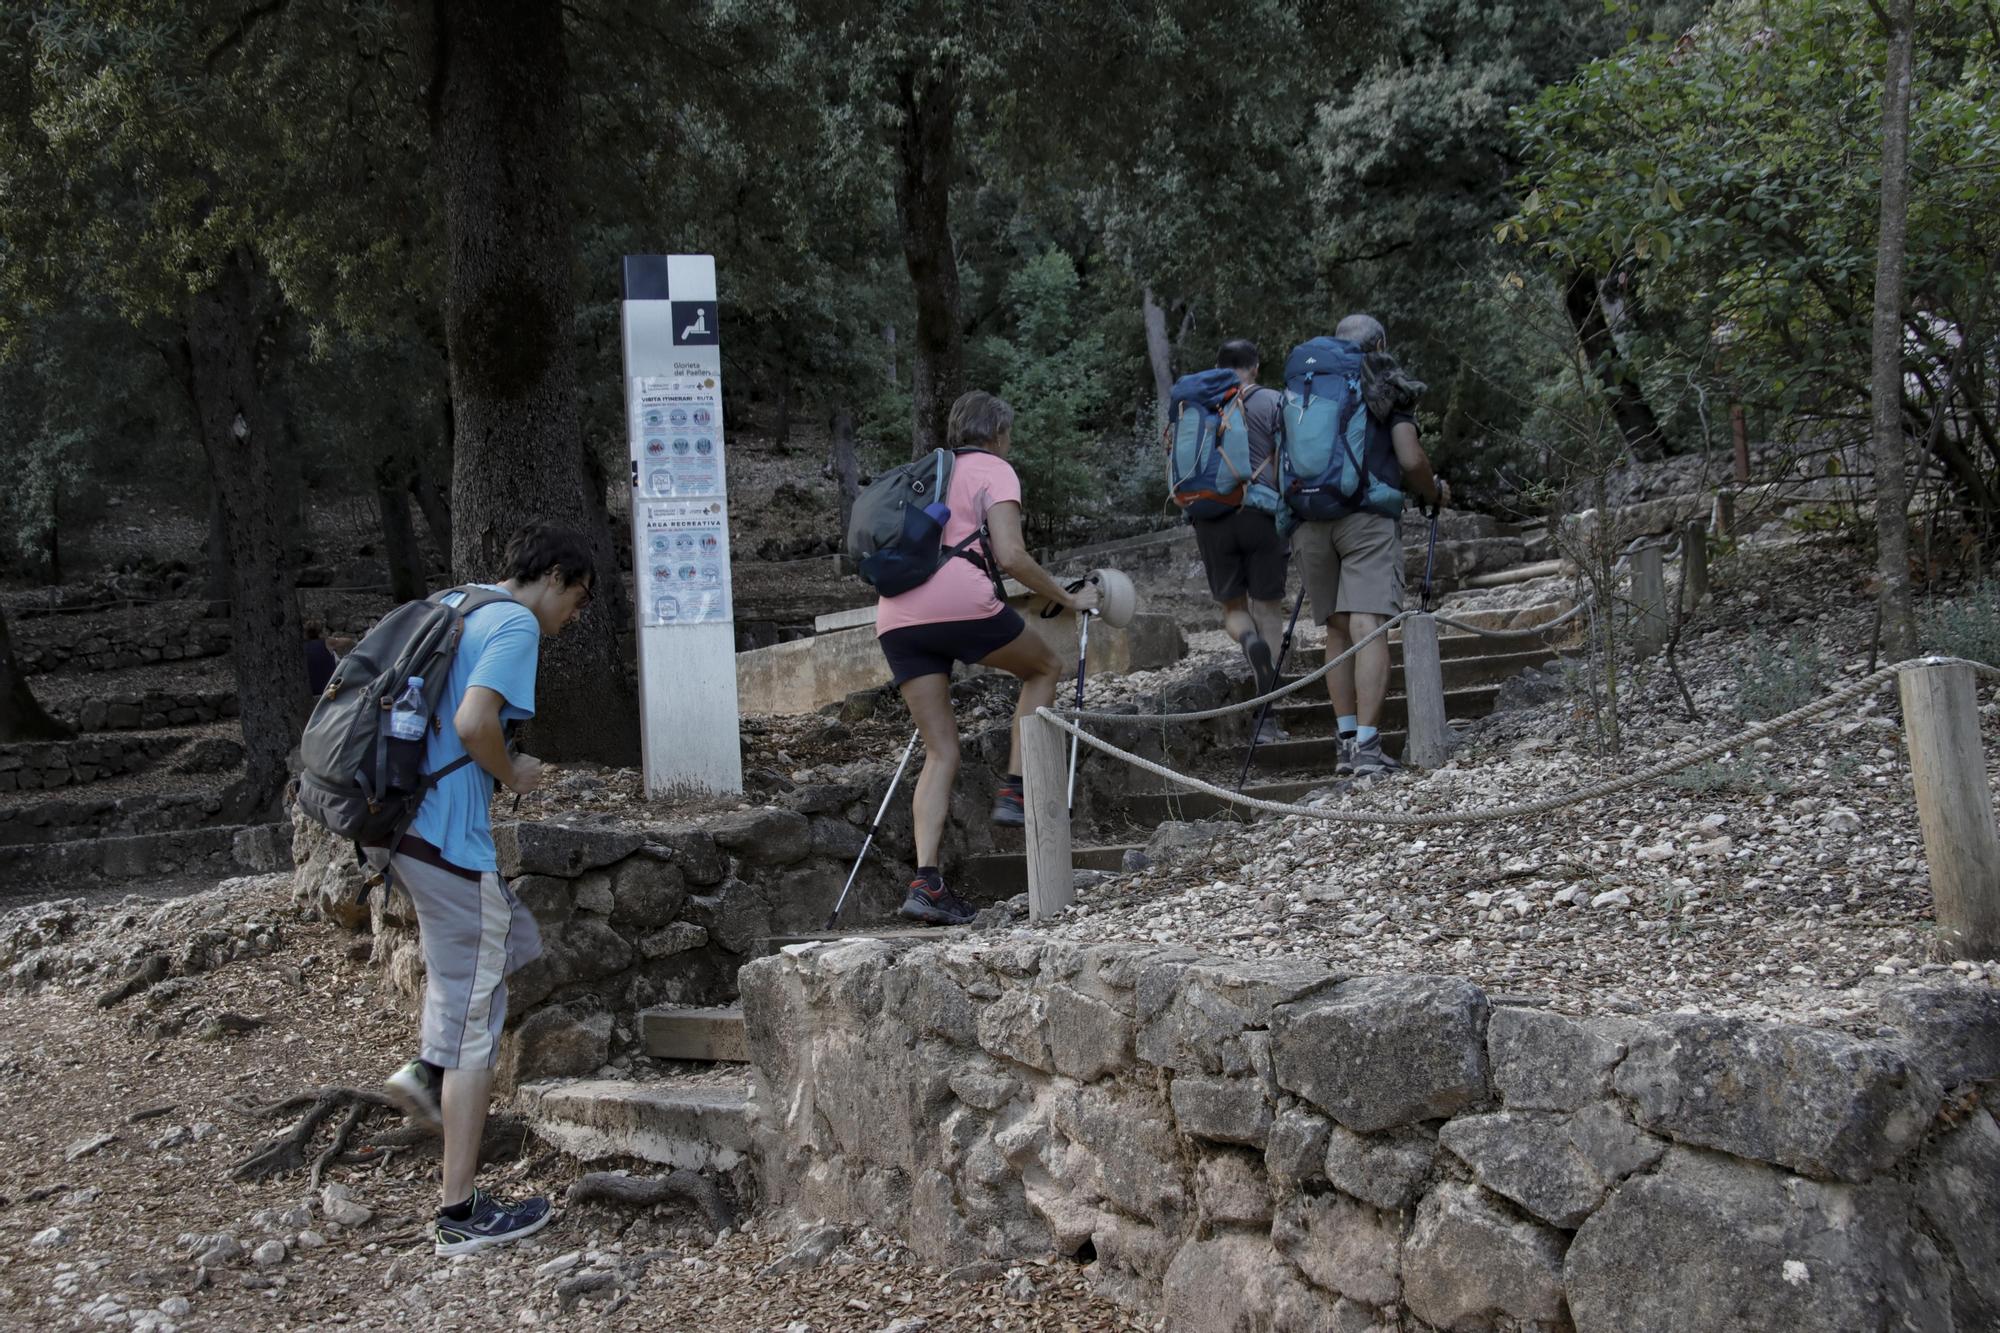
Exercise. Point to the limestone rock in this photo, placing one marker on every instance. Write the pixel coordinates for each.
(1234, 1284)
(1954, 1031)
(593, 950)
(1377, 1052)
(836, 838)
(1087, 1038)
(1954, 1192)
(680, 937)
(1228, 1110)
(1823, 1103)
(1231, 1189)
(552, 1043)
(1557, 1167)
(1194, 1017)
(735, 915)
(1135, 1158)
(1715, 1243)
(1387, 1169)
(647, 890)
(565, 850)
(547, 898)
(692, 852)
(767, 836)
(592, 893)
(1468, 1263)
(1546, 1062)
(1295, 1149)
(1013, 1026)
(821, 798)
(1342, 1244)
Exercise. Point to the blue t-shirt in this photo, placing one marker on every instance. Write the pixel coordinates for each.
(502, 644)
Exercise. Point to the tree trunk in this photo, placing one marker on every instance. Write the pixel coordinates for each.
(781, 430)
(924, 162)
(238, 434)
(434, 503)
(21, 718)
(216, 589)
(399, 532)
(503, 149)
(843, 466)
(1636, 422)
(1159, 355)
(1892, 501)
(889, 347)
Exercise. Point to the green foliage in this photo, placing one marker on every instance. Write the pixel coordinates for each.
(1967, 625)
(1739, 777)
(1780, 677)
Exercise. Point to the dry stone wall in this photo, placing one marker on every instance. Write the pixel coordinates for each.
(40, 765)
(1275, 1147)
(167, 633)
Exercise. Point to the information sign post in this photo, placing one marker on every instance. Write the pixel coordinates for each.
(680, 526)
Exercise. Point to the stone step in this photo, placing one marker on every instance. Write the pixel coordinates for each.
(1461, 672)
(701, 1127)
(1156, 808)
(1314, 751)
(28, 766)
(244, 849)
(672, 1033)
(1318, 715)
(998, 876)
(146, 710)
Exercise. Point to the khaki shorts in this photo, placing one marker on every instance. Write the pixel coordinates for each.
(1351, 564)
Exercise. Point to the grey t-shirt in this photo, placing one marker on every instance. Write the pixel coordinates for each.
(1264, 415)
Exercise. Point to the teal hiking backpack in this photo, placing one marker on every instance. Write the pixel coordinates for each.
(1329, 463)
(1208, 447)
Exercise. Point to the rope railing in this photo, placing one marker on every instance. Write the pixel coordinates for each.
(1544, 805)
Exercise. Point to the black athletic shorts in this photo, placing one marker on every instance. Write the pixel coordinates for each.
(1243, 553)
(929, 650)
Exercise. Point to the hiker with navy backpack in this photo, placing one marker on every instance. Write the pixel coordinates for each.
(1222, 434)
(934, 538)
(401, 755)
(1350, 452)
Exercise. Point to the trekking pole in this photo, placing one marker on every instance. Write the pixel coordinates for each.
(1284, 650)
(1431, 552)
(1082, 652)
(869, 841)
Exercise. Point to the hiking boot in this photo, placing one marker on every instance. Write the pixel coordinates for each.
(490, 1223)
(935, 905)
(414, 1089)
(1259, 653)
(1008, 807)
(1270, 733)
(1368, 759)
(1343, 766)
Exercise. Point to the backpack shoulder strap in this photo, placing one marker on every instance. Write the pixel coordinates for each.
(475, 597)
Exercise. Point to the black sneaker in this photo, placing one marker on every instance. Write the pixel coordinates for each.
(491, 1223)
(935, 905)
(414, 1089)
(1261, 666)
(1008, 807)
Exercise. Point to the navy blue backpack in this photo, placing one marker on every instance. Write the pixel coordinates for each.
(1329, 463)
(1208, 447)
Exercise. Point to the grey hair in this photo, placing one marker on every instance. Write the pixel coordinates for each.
(978, 418)
(1364, 331)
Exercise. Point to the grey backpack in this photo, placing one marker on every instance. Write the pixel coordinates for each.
(359, 780)
(895, 536)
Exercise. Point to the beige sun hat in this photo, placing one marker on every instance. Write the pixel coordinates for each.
(1118, 600)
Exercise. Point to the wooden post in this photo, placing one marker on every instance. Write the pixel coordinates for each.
(1649, 600)
(1429, 742)
(1954, 807)
(1725, 514)
(1044, 776)
(1694, 557)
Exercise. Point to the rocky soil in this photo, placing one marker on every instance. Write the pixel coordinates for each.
(118, 1210)
(1778, 881)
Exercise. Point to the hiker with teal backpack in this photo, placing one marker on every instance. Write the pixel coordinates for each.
(1222, 434)
(1349, 454)
(934, 538)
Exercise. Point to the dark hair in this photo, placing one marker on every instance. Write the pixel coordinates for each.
(540, 547)
(978, 418)
(1238, 354)
(314, 629)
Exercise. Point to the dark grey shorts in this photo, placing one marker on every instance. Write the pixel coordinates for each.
(1243, 555)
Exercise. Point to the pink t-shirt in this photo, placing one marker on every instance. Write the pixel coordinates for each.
(959, 590)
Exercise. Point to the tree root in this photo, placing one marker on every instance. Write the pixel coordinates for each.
(644, 1191)
(287, 1151)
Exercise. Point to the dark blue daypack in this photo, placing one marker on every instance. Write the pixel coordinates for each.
(1208, 447)
(1329, 463)
(895, 535)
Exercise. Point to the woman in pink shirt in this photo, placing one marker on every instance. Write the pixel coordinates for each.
(957, 616)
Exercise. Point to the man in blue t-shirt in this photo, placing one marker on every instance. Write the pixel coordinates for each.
(474, 931)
